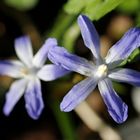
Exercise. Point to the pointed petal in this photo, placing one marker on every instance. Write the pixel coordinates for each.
(116, 107)
(126, 75)
(60, 56)
(13, 95)
(124, 47)
(77, 94)
(33, 99)
(41, 56)
(24, 50)
(51, 72)
(90, 35)
(11, 68)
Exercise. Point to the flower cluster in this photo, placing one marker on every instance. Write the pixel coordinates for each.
(100, 71)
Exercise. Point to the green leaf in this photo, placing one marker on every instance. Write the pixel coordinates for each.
(130, 7)
(138, 19)
(135, 55)
(22, 4)
(95, 9)
(91, 7)
(74, 6)
(99, 8)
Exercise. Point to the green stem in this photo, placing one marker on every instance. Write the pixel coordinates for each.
(62, 22)
(64, 121)
(62, 28)
(70, 36)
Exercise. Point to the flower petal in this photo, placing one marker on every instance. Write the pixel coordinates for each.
(61, 57)
(124, 47)
(116, 107)
(24, 50)
(11, 68)
(41, 56)
(126, 75)
(14, 94)
(77, 94)
(51, 72)
(90, 35)
(33, 99)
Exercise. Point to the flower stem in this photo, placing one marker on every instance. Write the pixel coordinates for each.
(95, 123)
(64, 121)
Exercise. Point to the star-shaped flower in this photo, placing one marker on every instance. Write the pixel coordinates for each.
(28, 71)
(101, 72)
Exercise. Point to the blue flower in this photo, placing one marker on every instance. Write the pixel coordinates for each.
(28, 71)
(99, 72)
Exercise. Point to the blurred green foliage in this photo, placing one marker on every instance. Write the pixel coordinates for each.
(95, 9)
(132, 6)
(68, 30)
(21, 4)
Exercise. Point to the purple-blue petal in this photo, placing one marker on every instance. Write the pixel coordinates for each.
(77, 94)
(90, 35)
(11, 68)
(24, 50)
(51, 72)
(14, 94)
(60, 56)
(117, 109)
(125, 46)
(41, 56)
(126, 75)
(33, 99)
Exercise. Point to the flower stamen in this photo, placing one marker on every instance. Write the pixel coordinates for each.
(102, 71)
(24, 71)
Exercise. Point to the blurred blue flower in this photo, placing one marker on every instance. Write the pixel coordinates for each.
(28, 71)
(101, 72)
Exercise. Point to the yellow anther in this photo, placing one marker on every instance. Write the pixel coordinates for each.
(24, 71)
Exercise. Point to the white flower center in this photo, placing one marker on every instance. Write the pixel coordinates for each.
(29, 73)
(102, 71)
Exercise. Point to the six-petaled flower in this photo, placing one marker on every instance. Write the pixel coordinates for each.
(28, 71)
(100, 72)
